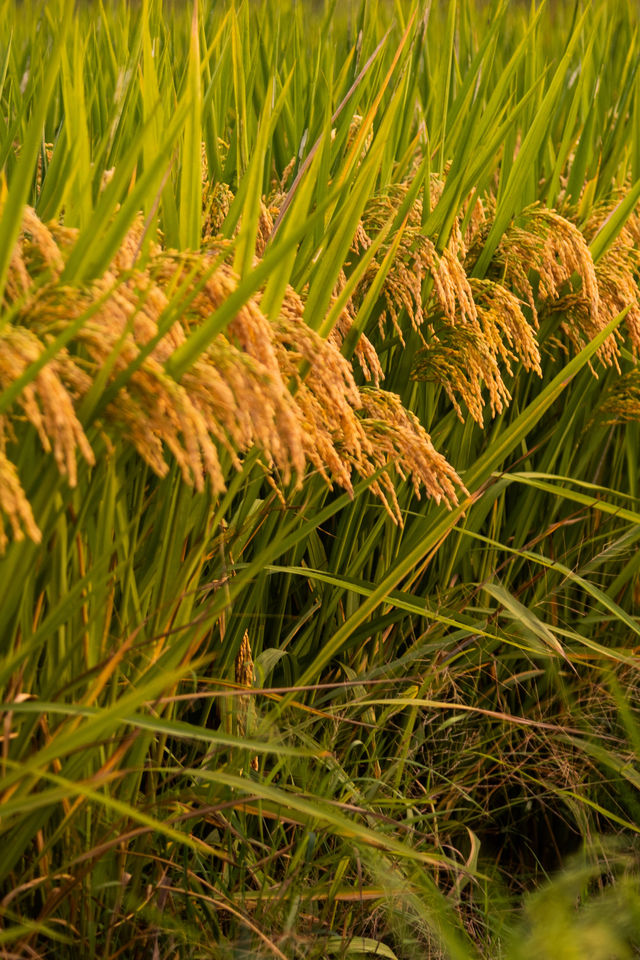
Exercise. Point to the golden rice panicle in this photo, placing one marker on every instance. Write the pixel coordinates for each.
(266, 414)
(245, 677)
(618, 269)
(577, 328)
(461, 360)
(619, 289)
(325, 394)
(402, 288)
(249, 328)
(355, 134)
(217, 202)
(416, 258)
(14, 506)
(282, 183)
(44, 157)
(238, 383)
(401, 443)
(365, 352)
(153, 409)
(361, 430)
(467, 361)
(451, 283)
(231, 397)
(18, 283)
(128, 415)
(278, 386)
(476, 213)
(39, 246)
(266, 222)
(128, 252)
(556, 250)
(36, 251)
(482, 325)
(435, 188)
(185, 432)
(504, 326)
(566, 252)
(361, 239)
(622, 401)
(244, 666)
(528, 245)
(216, 197)
(45, 400)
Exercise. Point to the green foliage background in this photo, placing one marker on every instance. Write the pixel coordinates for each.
(433, 750)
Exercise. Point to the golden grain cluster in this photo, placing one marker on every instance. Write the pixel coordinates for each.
(277, 385)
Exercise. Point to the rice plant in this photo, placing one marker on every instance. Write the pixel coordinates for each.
(319, 580)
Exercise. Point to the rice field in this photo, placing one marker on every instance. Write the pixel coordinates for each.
(319, 480)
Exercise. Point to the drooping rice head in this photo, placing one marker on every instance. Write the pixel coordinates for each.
(275, 386)
(547, 251)
(470, 329)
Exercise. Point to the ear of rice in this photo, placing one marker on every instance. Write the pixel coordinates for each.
(277, 386)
